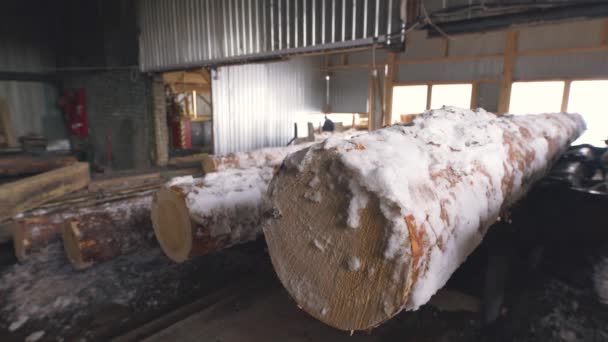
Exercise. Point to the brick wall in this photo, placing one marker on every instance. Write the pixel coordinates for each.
(120, 114)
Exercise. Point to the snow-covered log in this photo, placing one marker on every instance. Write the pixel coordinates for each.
(376, 224)
(105, 233)
(271, 156)
(198, 216)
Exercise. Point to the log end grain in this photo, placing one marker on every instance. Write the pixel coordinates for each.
(171, 222)
(336, 273)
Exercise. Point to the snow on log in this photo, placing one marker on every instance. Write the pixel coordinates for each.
(198, 216)
(369, 226)
(41, 227)
(105, 233)
(271, 156)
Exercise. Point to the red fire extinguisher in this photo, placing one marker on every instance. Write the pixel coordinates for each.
(74, 111)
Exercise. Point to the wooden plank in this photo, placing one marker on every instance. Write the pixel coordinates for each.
(474, 95)
(566, 95)
(20, 165)
(6, 125)
(28, 193)
(507, 71)
(429, 94)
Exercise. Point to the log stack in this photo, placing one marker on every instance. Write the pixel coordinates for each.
(376, 224)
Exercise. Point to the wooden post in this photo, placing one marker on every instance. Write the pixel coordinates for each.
(28, 193)
(429, 94)
(507, 71)
(604, 41)
(370, 102)
(566, 95)
(474, 95)
(388, 88)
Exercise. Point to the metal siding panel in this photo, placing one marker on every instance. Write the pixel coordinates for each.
(194, 33)
(451, 71)
(478, 44)
(561, 66)
(564, 35)
(255, 105)
(348, 91)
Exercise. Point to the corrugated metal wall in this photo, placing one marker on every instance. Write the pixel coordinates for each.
(255, 105)
(189, 33)
(28, 47)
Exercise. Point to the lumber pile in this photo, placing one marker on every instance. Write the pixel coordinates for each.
(28, 193)
(376, 224)
(109, 218)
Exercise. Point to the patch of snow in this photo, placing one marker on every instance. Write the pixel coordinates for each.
(18, 323)
(353, 263)
(33, 337)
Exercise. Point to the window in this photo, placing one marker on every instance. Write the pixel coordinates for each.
(536, 97)
(413, 99)
(408, 100)
(458, 95)
(589, 98)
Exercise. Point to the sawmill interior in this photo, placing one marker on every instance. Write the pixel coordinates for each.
(304, 170)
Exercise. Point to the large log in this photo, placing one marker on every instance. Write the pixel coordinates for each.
(41, 227)
(271, 156)
(116, 229)
(376, 224)
(198, 216)
(28, 193)
(20, 165)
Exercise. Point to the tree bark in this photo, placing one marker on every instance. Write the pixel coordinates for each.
(193, 217)
(117, 229)
(376, 224)
(28, 165)
(40, 228)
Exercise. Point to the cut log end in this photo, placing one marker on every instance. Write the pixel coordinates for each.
(71, 240)
(336, 273)
(172, 225)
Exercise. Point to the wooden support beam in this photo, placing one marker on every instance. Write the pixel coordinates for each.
(391, 72)
(429, 94)
(370, 102)
(507, 71)
(6, 125)
(566, 96)
(28, 193)
(474, 95)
